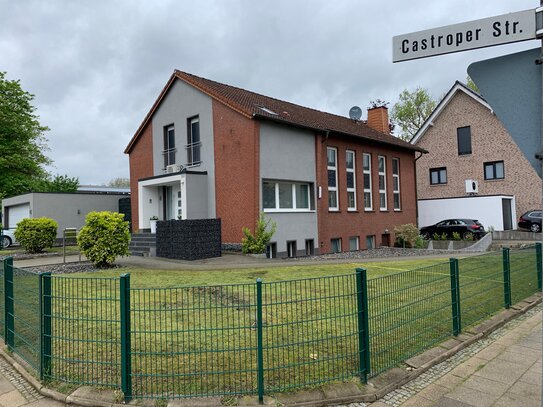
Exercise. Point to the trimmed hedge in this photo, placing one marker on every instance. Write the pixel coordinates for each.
(36, 234)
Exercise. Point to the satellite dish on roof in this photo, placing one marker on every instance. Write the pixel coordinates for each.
(355, 113)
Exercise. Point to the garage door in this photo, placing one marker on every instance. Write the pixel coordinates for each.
(16, 213)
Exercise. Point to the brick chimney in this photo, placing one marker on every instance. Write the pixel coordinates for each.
(378, 119)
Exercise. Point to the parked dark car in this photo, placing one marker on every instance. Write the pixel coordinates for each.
(465, 227)
(531, 220)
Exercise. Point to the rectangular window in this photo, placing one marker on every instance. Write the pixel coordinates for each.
(438, 176)
(463, 135)
(193, 141)
(291, 248)
(366, 168)
(351, 180)
(309, 247)
(331, 154)
(169, 145)
(336, 245)
(271, 250)
(396, 183)
(370, 242)
(285, 196)
(382, 183)
(494, 170)
(354, 243)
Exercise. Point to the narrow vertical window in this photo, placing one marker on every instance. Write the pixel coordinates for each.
(382, 183)
(169, 145)
(463, 136)
(366, 164)
(351, 180)
(331, 154)
(193, 141)
(396, 183)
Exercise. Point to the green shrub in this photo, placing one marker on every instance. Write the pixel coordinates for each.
(257, 243)
(469, 236)
(105, 236)
(456, 236)
(436, 236)
(444, 236)
(36, 234)
(420, 243)
(406, 235)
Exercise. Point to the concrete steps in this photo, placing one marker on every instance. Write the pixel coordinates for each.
(143, 244)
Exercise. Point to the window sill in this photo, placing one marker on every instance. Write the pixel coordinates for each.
(334, 210)
(369, 211)
(352, 210)
(288, 211)
(397, 210)
(495, 179)
(383, 210)
(438, 185)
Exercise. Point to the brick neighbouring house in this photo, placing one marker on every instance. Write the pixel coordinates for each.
(468, 146)
(242, 153)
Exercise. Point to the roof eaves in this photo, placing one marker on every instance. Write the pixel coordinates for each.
(407, 146)
(227, 102)
(458, 86)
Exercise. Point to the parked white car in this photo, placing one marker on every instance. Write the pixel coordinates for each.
(8, 238)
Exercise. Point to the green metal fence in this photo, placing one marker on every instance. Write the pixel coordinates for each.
(256, 338)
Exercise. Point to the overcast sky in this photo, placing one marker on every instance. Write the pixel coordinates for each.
(96, 67)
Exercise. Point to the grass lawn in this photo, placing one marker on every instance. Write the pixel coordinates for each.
(19, 250)
(194, 332)
(143, 278)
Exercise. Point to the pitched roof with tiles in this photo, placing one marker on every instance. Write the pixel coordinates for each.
(254, 105)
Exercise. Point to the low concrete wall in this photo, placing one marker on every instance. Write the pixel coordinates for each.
(516, 235)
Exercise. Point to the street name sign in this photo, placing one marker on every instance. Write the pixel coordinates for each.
(487, 32)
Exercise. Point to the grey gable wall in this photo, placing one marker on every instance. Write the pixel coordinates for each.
(289, 154)
(181, 103)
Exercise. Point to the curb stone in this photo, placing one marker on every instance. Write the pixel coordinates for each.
(329, 394)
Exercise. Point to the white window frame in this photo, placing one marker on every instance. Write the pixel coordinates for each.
(332, 189)
(396, 191)
(367, 190)
(293, 186)
(353, 171)
(383, 174)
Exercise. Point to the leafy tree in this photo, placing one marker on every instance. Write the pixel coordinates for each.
(22, 140)
(470, 84)
(119, 183)
(58, 183)
(411, 111)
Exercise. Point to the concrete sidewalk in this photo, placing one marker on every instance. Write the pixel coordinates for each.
(508, 372)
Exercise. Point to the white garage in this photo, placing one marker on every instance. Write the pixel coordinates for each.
(494, 211)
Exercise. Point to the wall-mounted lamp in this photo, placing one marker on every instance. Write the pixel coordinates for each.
(386, 232)
(79, 211)
(150, 200)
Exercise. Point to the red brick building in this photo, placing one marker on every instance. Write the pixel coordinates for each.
(210, 150)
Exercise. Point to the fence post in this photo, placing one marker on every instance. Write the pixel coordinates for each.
(259, 342)
(45, 324)
(363, 324)
(506, 278)
(126, 358)
(455, 296)
(539, 266)
(9, 320)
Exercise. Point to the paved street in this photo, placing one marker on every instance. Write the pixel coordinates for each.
(507, 372)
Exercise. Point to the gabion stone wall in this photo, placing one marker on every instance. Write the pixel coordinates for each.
(192, 239)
